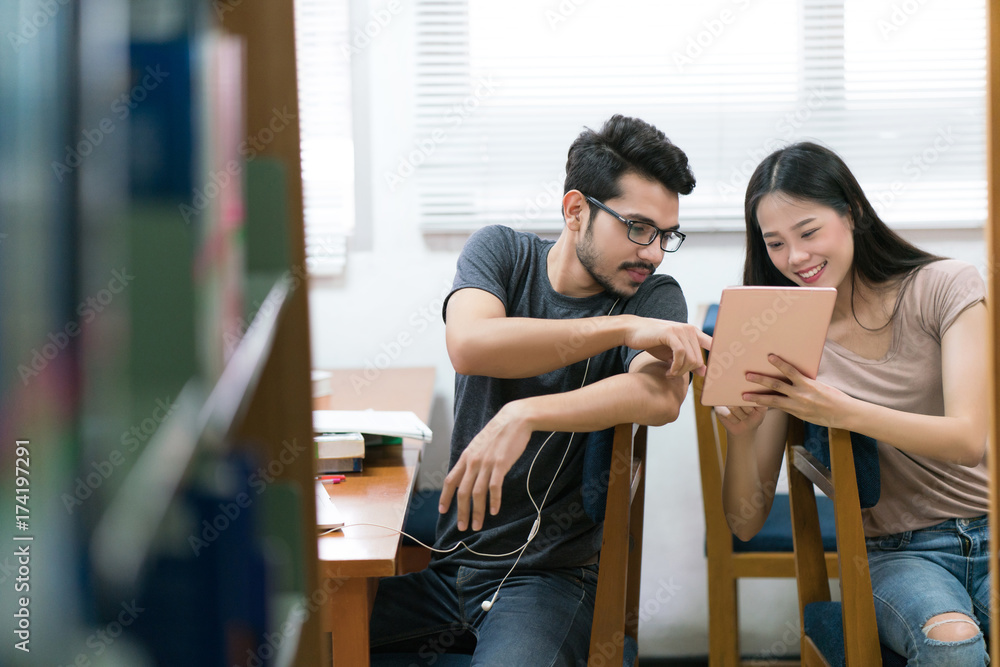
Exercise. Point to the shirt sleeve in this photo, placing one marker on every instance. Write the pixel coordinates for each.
(952, 287)
(663, 300)
(485, 263)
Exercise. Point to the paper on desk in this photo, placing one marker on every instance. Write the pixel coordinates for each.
(327, 516)
(400, 424)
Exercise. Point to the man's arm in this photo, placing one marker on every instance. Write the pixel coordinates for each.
(482, 340)
(647, 394)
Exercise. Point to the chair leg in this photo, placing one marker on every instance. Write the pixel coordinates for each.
(637, 511)
(723, 622)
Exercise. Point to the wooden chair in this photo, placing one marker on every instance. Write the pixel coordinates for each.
(770, 555)
(833, 633)
(614, 630)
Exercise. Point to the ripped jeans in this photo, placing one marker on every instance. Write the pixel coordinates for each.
(919, 574)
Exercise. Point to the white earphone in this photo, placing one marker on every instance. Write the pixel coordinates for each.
(488, 604)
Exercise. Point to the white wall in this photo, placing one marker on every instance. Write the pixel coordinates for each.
(386, 311)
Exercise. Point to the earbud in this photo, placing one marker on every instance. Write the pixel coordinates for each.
(488, 604)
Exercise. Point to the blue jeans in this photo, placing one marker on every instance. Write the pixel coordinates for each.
(922, 573)
(540, 617)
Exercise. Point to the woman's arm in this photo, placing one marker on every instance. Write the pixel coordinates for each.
(957, 437)
(756, 446)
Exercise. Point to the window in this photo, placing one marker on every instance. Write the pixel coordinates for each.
(323, 62)
(896, 88)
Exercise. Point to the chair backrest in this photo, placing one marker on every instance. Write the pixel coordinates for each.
(769, 554)
(856, 643)
(614, 631)
(712, 459)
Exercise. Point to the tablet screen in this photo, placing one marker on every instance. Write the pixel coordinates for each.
(754, 322)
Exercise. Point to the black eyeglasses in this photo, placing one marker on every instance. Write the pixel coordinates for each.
(644, 233)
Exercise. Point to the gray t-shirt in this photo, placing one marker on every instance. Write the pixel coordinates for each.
(512, 266)
(917, 491)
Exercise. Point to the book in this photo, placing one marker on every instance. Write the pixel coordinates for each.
(321, 383)
(339, 445)
(400, 424)
(217, 204)
(375, 440)
(327, 516)
(349, 464)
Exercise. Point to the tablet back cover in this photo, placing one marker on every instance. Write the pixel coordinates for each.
(753, 322)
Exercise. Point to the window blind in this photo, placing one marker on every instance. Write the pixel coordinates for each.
(897, 88)
(322, 51)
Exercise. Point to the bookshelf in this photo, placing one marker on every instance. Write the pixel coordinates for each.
(166, 429)
(281, 409)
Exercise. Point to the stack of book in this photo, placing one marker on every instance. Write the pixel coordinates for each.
(321, 383)
(341, 436)
(339, 452)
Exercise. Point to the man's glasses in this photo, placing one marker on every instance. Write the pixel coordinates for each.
(644, 233)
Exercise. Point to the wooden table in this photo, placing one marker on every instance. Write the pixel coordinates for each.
(352, 560)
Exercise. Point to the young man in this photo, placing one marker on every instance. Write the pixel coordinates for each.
(548, 339)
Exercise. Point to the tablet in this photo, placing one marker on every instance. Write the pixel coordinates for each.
(753, 322)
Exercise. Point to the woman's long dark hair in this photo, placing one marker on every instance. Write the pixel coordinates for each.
(810, 172)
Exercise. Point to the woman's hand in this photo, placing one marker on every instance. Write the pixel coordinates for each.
(809, 400)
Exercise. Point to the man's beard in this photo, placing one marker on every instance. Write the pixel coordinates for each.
(587, 253)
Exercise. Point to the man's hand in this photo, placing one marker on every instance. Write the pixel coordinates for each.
(675, 343)
(739, 419)
(482, 466)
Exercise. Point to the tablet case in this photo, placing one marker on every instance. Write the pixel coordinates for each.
(753, 322)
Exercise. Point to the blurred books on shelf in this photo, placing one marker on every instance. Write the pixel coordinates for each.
(218, 198)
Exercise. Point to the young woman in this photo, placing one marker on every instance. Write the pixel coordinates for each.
(903, 363)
